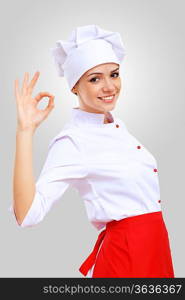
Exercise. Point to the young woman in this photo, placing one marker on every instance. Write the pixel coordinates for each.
(95, 153)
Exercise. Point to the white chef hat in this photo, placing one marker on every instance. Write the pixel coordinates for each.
(86, 47)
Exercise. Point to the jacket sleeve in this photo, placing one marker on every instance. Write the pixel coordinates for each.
(63, 165)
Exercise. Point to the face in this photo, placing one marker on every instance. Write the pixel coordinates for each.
(96, 84)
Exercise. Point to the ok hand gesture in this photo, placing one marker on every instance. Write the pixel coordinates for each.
(29, 116)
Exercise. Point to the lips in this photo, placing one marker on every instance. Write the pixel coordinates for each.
(107, 100)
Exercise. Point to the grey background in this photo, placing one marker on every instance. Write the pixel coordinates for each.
(151, 104)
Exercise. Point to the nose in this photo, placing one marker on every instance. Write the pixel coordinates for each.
(108, 86)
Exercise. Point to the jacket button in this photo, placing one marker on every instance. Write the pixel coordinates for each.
(138, 147)
(159, 201)
(117, 125)
(155, 170)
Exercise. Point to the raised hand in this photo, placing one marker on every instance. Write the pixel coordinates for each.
(28, 115)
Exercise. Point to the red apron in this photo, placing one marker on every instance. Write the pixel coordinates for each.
(134, 247)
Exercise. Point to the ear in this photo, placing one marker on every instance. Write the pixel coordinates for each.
(74, 91)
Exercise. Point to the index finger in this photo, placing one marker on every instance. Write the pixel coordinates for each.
(33, 81)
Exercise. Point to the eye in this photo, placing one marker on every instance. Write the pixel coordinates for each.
(94, 78)
(117, 73)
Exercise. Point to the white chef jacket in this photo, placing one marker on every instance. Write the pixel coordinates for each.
(113, 172)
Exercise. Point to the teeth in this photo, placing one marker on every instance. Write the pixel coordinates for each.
(107, 98)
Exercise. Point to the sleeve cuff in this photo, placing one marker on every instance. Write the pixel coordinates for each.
(34, 214)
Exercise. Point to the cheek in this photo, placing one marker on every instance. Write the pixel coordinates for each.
(86, 91)
(118, 84)
(93, 91)
(89, 94)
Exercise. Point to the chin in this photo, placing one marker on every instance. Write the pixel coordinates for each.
(109, 106)
(104, 107)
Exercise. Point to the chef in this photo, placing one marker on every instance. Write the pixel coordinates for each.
(114, 173)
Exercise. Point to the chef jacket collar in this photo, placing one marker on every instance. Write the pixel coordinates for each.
(81, 117)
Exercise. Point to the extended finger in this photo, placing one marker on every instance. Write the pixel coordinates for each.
(33, 82)
(16, 89)
(25, 82)
(42, 95)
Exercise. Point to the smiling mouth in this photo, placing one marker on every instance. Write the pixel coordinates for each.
(107, 99)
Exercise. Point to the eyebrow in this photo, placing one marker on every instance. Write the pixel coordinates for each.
(102, 73)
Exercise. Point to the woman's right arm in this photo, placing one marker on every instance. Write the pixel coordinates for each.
(29, 117)
(24, 183)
